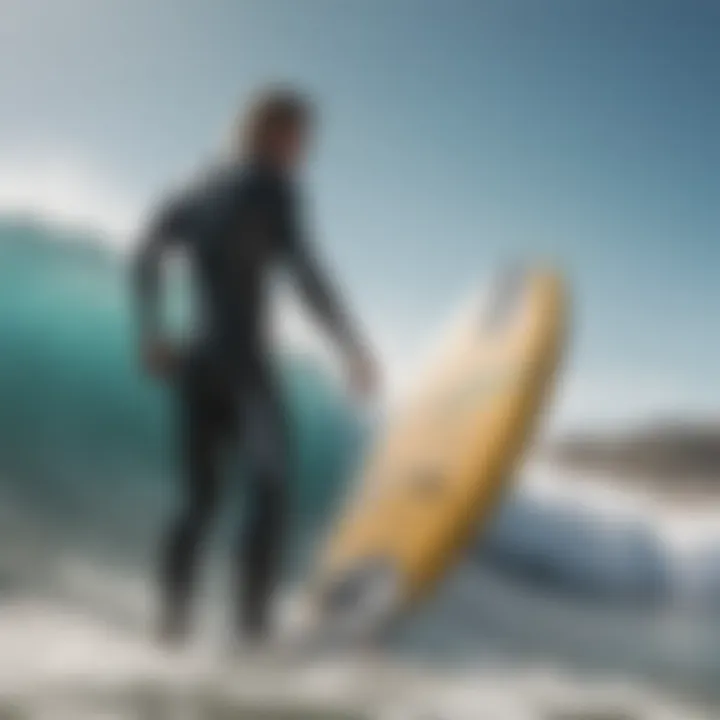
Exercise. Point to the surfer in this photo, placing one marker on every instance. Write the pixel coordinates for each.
(235, 225)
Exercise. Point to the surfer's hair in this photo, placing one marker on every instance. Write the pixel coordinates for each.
(272, 112)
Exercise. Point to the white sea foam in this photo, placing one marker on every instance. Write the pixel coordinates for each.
(84, 668)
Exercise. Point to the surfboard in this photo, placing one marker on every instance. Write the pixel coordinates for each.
(448, 455)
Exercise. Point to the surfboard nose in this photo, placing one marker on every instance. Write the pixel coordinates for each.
(505, 296)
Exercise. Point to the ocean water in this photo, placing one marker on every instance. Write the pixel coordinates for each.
(579, 603)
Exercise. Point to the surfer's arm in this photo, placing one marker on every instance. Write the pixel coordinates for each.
(167, 227)
(320, 294)
(314, 284)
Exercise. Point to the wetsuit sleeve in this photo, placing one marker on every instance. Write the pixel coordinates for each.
(316, 287)
(169, 226)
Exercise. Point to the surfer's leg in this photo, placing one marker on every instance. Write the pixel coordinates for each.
(199, 441)
(260, 545)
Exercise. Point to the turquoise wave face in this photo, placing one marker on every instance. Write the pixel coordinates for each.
(84, 439)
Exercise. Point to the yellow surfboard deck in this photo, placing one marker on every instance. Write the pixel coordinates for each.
(436, 477)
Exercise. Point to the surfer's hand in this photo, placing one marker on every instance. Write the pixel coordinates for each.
(363, 374)
(158, 358)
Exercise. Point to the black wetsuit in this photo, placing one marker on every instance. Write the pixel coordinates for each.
(234, 225)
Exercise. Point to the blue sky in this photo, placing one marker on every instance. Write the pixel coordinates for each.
(455, 134)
